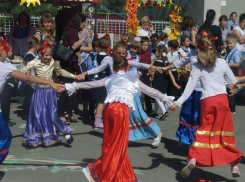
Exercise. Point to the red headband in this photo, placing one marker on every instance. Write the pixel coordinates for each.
(4, 46)
(203, 47)
(96, 36)
(107, 35)
(110, 50)
(122, 69)
(118, 54)
(45, 44)
(124, 40)
(204, 33)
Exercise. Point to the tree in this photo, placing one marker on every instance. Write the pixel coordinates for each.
(13, 9)
(114, 5)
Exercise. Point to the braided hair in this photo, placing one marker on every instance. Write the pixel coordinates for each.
(207, 54)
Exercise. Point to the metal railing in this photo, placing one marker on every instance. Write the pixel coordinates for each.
(118, 27)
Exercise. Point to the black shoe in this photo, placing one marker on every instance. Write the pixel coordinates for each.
(73, 120)
(164, 116)
(69, 138)
(29, 146)
(153, 115)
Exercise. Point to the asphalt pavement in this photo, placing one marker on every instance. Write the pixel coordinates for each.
(64, 162)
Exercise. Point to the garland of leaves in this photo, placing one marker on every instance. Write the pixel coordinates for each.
(175, 19)
(156, 3)
(132, 21)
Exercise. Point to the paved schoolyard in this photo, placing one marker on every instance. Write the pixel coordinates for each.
(63, 163)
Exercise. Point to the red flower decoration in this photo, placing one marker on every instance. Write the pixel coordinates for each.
(4, 46)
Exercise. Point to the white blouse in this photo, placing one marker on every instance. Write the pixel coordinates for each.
(5, 70)
(133, 70)
(109, 62)
(190, 59)
(121, 87)
(211, 80)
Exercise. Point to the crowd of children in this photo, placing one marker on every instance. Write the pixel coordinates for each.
(139, 68)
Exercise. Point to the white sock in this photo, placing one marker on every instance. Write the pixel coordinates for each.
(161, 105)
(156, 107)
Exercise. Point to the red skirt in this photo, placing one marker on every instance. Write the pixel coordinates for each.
(215, 143)
(114, 164)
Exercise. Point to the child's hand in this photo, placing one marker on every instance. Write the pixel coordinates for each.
(156, 68)
(164, 69)
(58, 87)
(174, 107)
(177, 86)
(80, 77)
(138, 76)
(89, 34)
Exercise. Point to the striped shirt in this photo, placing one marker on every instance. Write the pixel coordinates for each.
(87, 41)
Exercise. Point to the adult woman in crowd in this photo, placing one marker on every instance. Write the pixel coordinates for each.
(189, 29)
(19, 34)
(214, 29)
(46, 27)
(232, 23)
(71, 39)
(240, 34)
(222, 24)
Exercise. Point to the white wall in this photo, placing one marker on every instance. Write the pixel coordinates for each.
(233, 6)
(216, 6)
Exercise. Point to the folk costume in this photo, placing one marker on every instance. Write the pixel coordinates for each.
(114, 164)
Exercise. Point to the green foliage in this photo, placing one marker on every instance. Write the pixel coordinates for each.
(114, 5)
(12, 10)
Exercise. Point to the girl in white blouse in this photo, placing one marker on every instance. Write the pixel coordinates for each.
(140, 125)
(214, 143)
(121, 88)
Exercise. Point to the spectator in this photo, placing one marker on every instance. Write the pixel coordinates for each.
(71, 39)
(222, 24)
(240, 34)
(189, 29)
(187, 24)
(19, 34)
(232, 23)
(233, 58)
(46, 27)
(214, 29)
(147, 29)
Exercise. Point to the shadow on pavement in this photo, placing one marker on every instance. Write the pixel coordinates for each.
(199, 173)
(86, 161)
(178, 164)
(172, 147)
(86, 120)
(136, 144)
(243, 160)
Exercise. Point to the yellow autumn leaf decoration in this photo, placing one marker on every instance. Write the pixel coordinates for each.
(33, 2)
